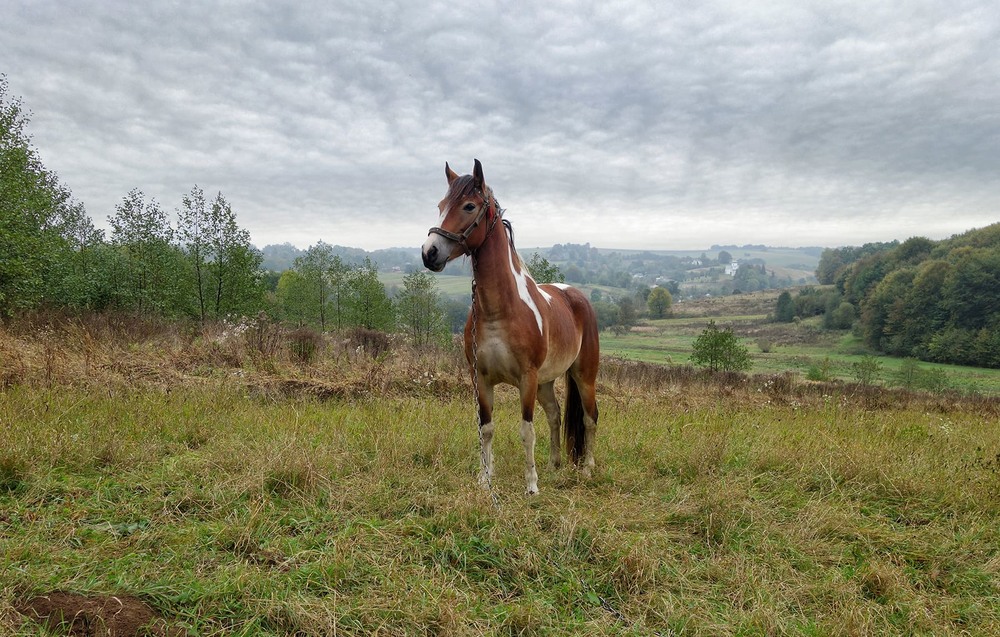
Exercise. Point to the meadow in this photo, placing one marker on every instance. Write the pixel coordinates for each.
(795, 348)
(225, 482)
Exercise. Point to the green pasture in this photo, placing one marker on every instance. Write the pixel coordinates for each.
(235, 513)
(449, 285)
(797, 348)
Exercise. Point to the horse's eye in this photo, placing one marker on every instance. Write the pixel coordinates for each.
(469, 207)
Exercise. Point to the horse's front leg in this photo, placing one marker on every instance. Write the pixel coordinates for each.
(529, 391)
(485, 397)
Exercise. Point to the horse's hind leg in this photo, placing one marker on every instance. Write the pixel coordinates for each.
(547, 399)
(588, 393)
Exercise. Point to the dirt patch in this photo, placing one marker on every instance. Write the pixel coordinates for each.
(96, 616)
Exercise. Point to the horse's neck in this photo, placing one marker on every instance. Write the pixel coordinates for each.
(496, 276)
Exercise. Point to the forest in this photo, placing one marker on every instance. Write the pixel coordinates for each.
(933, 300)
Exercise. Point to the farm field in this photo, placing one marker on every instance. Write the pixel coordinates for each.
(453, 286)
(225, 488)
(793, 347)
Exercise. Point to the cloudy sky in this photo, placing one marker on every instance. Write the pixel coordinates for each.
(664, 125)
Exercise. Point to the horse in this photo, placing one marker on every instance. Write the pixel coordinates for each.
(518, 332)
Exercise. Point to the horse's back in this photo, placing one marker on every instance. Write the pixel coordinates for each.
(579, 306)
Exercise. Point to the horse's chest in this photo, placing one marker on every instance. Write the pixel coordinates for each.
(497, 359)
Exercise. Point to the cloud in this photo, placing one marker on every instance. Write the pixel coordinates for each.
(626, 123)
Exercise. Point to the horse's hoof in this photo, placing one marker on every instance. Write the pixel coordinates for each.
(529, 492)
(554, 466)
(586, 472)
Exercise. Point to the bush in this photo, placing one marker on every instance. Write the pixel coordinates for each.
(720, 350)
(372, 342)
(305, 344)
(785, 311)
(841, 318)
(912, 376)
(822, 371)
(867, 370)
(263, 337)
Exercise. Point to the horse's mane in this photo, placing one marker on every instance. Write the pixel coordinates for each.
(518, 261)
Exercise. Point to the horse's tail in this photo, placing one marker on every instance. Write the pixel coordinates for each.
(573, 426)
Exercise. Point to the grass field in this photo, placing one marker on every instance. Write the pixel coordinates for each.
(234, 491)
(452, 286)
(793, 347)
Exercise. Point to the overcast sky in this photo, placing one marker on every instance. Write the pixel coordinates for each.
(663, 125)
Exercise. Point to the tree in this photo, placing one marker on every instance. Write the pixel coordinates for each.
(234, 270)
(720, 350)
(192, 231)
(147, 279)
(368, 305)
(659, 302)
(607, 314)
(785, 310)
(419, 310)
(294, 298)
(841, 318)
(627, 314)
(35, 210)
(543, 271)
(323, 278)
(725, 258)
(84, 279)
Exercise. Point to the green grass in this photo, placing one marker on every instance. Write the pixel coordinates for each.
(239, 493)
(710, 514)
(449, 285)
(795, 348)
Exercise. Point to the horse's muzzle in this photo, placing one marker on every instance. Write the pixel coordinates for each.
(430, 257)
(435, 252)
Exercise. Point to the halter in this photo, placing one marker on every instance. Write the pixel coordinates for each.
(462, 239)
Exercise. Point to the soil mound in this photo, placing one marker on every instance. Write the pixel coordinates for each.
(96, 616)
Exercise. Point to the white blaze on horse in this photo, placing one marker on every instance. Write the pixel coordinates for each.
(518, 332)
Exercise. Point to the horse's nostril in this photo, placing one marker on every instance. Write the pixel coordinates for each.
(432, 252)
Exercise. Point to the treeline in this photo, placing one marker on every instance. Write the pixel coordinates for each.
(201, 266)
(933, 300)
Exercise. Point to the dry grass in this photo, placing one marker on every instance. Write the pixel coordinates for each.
(237, 489)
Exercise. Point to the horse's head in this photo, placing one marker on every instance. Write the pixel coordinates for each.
(467, 212)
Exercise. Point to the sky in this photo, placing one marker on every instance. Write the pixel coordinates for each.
(623, 124)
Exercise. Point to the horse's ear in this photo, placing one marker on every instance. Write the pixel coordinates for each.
(449, 173)
(477, 175)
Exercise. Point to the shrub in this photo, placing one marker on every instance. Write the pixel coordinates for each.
(720, 350)
(822, 371)
(867, 370)
(305, 344)
(785, 311)
(912, 376)
(765, 344)
(372, 342)
(263, 338)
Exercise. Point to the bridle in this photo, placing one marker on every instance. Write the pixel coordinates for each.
(463, 238)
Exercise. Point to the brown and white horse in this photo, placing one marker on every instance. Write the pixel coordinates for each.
(518, 332)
